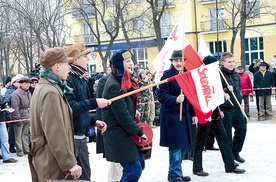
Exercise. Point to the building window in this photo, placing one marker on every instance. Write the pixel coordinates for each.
(110, 25)
(254, 49)
(138, 24)
(110, 2)
(254, 9)
(87, 33)
(219, 46)
(165, 24)
(141, 56)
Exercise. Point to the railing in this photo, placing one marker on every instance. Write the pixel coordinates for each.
(86, 39)
(210, 1)
(212, 25)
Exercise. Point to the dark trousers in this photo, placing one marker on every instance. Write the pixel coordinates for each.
(82, 156)
(215, 127)
(10, 132)
(234, 118)
(132, 171)
(210, 140)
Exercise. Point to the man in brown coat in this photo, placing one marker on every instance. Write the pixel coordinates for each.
(52, 154)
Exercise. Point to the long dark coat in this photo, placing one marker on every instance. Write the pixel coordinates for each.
(119, 117)
(174, 134)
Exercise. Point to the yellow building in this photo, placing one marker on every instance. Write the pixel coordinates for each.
(211, 20)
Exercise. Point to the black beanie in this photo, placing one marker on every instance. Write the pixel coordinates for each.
(209, 60)
(8, 79)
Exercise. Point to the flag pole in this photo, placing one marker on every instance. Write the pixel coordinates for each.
(233, 95)
(140, 89)
(181, 92)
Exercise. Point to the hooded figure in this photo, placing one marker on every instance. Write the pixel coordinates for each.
(120, 116)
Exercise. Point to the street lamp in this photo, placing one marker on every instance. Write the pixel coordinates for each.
(217, 47)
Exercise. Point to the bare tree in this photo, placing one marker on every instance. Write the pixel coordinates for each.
(157, 10)
(243, 12)
(35, 25)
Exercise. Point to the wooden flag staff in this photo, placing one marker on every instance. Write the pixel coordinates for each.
(140, 89)
(181, 92)
(233, 95)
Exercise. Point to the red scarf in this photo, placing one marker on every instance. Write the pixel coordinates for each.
(128, 84)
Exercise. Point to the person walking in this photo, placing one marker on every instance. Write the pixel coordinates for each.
(246, 88)
(175, 134)
(233, 117)
(120, 116)
(215, 126)
(81, 102)
(52, 154)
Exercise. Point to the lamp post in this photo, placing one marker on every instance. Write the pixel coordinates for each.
(217, 29)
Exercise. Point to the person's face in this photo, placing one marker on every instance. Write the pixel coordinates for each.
(177, 64)
(260, 61)
(25, 85)
(229, 63)
(63, 70)
(128, 65)
(34, 83)
(83, 61)
(240, 70)
(108, 71)
(262, 68)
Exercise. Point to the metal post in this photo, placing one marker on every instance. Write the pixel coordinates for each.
(217, 29)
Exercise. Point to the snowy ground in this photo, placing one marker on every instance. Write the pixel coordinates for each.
(259, 152)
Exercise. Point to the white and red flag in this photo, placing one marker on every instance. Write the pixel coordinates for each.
(176, 41)
(202, 87)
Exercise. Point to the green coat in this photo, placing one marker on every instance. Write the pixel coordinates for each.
(52, 139)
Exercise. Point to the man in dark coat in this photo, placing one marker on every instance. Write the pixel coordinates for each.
(81, 102)
(263, 82)
(233, 116)
(118, 143)
(175, 134)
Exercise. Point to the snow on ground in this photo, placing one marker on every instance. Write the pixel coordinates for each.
(259, 153)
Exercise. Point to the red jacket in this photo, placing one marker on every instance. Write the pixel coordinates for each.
(246, 85)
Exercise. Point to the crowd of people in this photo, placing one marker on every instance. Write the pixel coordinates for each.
(48, 119)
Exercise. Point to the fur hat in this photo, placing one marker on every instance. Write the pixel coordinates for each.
(118, 58)
(52, 56)
(177, 54)
(77, 50)
(8, 79)
(209, 60)
(16, 77)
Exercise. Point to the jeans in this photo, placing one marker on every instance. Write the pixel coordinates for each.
(132, 171)
(175, 169)
(4, 142)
